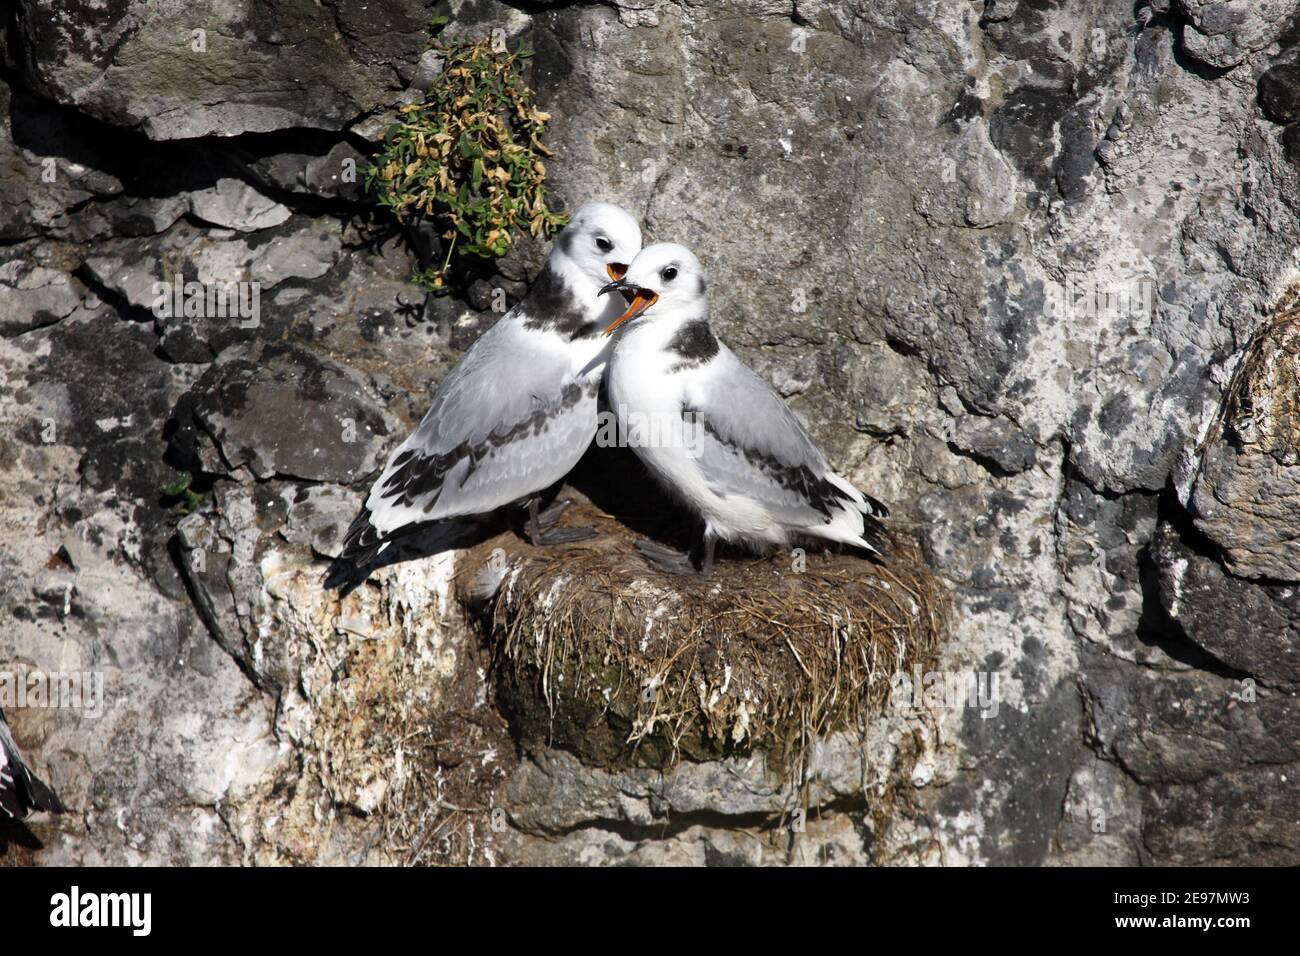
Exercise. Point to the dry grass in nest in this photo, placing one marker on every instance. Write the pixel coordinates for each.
(600, 654)
(1261, 404)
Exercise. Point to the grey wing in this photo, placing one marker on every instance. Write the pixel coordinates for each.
(752, 445)
(508, 421)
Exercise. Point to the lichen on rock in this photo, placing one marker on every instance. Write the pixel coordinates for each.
(1003, 258)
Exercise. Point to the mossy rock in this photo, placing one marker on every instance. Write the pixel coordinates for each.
(596, 731)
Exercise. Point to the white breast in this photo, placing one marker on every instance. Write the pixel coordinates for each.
(640, 388)
(648, 396)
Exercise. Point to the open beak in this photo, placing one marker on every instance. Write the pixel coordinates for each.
(641, 299)
(616, 270)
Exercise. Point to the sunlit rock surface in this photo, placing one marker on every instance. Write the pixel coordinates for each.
(1004, 258)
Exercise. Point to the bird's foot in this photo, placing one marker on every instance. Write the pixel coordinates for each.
(541, 526)
(666, 559)
(561, 536)
(551, 516)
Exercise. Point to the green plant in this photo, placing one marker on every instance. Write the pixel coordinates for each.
(180, 489)
(468, 158)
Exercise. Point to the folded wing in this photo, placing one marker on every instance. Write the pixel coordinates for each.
(511, 419)
(754, 446)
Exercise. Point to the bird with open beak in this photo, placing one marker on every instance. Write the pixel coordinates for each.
(752, 475)
(519, 410)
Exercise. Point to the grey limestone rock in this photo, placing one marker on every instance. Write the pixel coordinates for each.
(1003, 258)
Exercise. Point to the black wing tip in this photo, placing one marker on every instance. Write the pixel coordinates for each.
(348, 572)
(41, 797)
(11, 805)
(875, 534)
(344, 577)
(365, 550)
(356, 538)
(364, 541)
(361, 545)
(875, 507)
(23, 792)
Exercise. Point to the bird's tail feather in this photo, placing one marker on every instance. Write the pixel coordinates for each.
(858, 523)
(40, 796)
(21, 791)
(361, 546)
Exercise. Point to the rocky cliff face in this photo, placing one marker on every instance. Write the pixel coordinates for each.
(1004, 257)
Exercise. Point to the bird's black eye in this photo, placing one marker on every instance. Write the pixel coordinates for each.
(669, 274)
(603, 244)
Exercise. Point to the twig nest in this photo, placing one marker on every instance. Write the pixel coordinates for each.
(599, 654)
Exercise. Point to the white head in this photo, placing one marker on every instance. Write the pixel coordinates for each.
(664, 278)
(600, 240)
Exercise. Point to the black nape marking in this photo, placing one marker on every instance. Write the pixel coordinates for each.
(551, 305)
(695, 343)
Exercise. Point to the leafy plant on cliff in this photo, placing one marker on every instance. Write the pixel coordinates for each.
(469, 157)
(181, 495)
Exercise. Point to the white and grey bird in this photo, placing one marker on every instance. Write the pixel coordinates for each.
(715, 433)
(519, 409)
(21, 791)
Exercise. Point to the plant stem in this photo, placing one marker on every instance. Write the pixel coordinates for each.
(450, 249)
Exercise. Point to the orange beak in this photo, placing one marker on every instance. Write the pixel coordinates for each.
(616, 270)
(642, 299)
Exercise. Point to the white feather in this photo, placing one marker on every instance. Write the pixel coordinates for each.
(746, 423)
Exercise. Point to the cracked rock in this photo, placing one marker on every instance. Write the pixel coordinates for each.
(32, 296)
(236, 205)
(291, 413)
(1224, 32)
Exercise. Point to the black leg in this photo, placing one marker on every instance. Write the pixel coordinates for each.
(706, 562)
(666, 559)
(702, 548)
(696, 562)
(536, 522)
(534, 526)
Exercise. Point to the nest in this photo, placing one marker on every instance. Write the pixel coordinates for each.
(1262, 402)
(598, 653)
